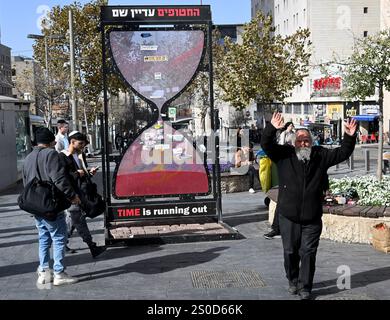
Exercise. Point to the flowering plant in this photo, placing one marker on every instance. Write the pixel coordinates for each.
(371, 192)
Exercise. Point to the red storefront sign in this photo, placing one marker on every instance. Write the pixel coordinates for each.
(332, 83)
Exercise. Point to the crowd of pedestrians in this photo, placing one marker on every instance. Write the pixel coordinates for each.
(302, 174)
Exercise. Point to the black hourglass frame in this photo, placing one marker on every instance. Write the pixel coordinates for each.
(126, 22)
(155, 113)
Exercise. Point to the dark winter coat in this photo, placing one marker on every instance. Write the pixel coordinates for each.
(71, 168)
(50, 168)
(301, 184)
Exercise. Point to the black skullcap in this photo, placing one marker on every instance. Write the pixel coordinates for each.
(76, 135)
(44, 135)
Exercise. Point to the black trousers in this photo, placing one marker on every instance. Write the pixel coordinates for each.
(275, 223)
(252, 174)
(300, 243)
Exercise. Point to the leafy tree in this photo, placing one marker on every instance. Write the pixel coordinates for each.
(368, 70)
(265, 67)
(88, 54)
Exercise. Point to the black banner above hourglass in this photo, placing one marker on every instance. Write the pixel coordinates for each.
(120, 14)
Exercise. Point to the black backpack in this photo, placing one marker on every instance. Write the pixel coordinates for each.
(92, 202)
(42, 198)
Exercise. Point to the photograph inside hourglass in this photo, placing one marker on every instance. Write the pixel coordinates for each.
(153, 123)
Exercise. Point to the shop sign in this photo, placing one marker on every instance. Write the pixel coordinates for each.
(351, 109)
(327, 87)
(334, 111)
(371, 109)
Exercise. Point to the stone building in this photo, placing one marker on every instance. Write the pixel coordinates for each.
(334, 25)
(5, 71)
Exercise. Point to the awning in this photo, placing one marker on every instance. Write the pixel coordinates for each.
(365, 117)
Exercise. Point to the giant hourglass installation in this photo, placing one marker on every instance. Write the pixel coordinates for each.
(158, 65)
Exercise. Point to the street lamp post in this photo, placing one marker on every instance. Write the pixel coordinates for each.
(38, 37)
(72, 74)
(47, 76)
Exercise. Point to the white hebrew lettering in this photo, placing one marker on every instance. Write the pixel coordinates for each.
(115, 13)
(123, 12)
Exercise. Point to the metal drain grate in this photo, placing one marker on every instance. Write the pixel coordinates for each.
(226, 279)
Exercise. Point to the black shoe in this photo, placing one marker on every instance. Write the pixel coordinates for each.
(95, 250)
(267, 201)
(305, 295)
(69, 250)
(272, 235)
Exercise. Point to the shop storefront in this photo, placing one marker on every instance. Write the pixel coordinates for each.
(334, 114)
(368, 120)
(14, 139)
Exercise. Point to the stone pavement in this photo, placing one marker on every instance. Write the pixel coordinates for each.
(174, 271)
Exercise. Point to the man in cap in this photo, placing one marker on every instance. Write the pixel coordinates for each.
(74, 161)
(302, 172)
(50, 169)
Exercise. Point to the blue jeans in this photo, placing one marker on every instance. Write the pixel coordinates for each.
(52, 232)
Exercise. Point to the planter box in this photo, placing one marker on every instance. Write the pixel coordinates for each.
(350, 224)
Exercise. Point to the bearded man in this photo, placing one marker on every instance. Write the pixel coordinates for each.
(302, 171)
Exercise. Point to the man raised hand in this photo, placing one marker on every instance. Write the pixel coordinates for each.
(277, 120)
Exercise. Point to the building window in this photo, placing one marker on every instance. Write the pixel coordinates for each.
(308, 109)
(288, 108)
(365, 10)
(365, 34)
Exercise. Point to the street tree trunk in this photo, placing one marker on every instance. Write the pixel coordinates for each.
(380, 138)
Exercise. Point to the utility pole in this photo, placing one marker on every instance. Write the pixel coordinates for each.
(48, 114)
(49, 88)
(73, 100)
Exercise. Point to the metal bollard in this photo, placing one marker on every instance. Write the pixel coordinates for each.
(351, 163)
(367, 160)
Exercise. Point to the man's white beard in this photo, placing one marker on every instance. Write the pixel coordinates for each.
(303, 154)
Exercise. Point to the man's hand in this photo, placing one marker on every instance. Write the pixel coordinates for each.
(277, 120)
(350, 127)
(81, 173)
(93, 171)
(75, 200)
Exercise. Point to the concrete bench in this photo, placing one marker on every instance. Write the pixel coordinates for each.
(344, 223)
